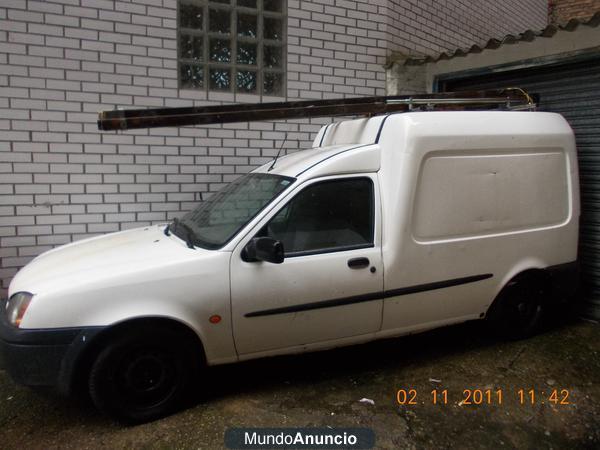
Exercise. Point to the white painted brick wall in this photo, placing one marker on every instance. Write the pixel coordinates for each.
(61, 61)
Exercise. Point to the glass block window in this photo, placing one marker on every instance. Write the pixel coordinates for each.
(232, 46)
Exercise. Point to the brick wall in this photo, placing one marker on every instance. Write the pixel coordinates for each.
(431, 27)
(561, 11)
(63, 60)
(336, 47)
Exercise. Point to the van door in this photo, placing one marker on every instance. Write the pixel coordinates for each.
(330, 284)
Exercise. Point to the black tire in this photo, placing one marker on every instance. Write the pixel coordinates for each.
(140, 376)
(518, 310)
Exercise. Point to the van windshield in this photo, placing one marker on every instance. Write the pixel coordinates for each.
(215, 221)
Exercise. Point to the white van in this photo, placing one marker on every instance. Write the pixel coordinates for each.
(390, 225)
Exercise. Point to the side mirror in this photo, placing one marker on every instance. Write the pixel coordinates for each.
(263, 249)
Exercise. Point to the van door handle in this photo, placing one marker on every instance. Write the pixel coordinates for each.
(358, 263)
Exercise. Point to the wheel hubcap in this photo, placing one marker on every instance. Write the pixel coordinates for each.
(525, 310)
(145, 374)
(147, 378)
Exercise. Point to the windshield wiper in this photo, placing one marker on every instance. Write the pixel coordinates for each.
(188, 233)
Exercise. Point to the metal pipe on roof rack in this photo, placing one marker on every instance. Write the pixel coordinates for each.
(204, 115)
(449, 101)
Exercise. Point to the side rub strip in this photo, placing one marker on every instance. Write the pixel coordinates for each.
(371, 296)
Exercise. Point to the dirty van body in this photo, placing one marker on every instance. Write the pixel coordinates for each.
(389, 225)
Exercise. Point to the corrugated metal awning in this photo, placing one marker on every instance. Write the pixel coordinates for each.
(493, 44)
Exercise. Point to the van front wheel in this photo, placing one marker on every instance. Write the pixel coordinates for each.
(518, 310)
(139, 377)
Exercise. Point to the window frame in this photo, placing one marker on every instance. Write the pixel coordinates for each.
(233, 66)
(372, 216)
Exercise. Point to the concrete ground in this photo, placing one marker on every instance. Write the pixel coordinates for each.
(324, 389)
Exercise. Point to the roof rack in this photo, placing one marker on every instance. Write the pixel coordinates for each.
(127, 119)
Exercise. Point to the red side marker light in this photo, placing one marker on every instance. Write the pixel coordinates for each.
(214, 319)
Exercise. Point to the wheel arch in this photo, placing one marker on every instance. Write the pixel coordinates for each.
(76, 368)
(521, 274)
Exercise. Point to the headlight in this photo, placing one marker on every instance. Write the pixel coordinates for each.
(16, 307)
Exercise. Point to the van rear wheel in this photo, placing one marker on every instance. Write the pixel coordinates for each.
(142, 376)
(517, 312)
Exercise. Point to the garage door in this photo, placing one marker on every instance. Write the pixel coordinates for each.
(574, 91)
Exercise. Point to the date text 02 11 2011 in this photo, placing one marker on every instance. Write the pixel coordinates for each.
(407, 397)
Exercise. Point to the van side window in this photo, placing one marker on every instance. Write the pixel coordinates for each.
(327, 216)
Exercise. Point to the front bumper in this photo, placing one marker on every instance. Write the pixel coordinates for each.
(42, 357)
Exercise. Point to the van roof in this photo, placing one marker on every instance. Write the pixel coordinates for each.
(439, 123)
(298, 163)
(341, 140)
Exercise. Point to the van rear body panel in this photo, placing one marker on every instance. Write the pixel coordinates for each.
(468, 194)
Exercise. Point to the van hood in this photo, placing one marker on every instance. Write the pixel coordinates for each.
(104, 257)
